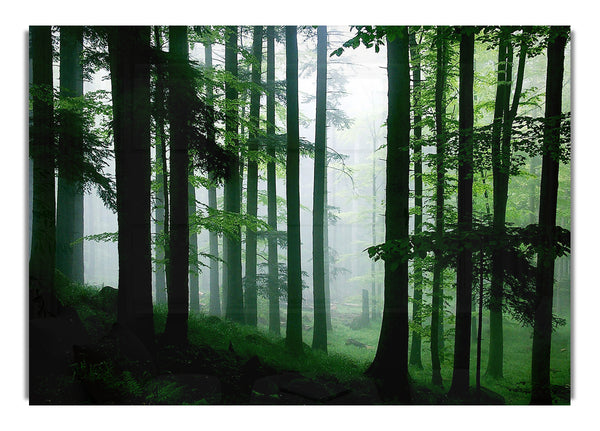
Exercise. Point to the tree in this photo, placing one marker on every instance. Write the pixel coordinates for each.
(415, 350)
(464, 272)
(162, 172)
(542, 329)
(213, 240)
(440, 139)
(42, 302)
(293, 338)
(233, 249)
(179, 247)
(320, 320)
(69, 208)
(273, 266)
(129, 51)
(252, 185)
(390, 365)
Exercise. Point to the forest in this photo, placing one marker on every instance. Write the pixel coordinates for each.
(299, 215)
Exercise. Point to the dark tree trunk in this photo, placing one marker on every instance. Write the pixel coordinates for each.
(179, 246)
(252, 185)
(320, 318)
(464, 273)
(42, 301)
(390, 365)
(213, 239)
(233, 250)
(162, 194)
(294, 309)
(415, 350)
(273, 266)
(129, 49)
(542, 329)
(438, 270)
(69, 208)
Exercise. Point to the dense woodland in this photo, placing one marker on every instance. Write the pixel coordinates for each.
(299, 215)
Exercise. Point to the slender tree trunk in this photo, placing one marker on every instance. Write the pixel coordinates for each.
(294, 309)
(213, 239)
(162, 198)
(42, 300)
(320, 317)
(326, 277)
(69, 208)
(542, 329)
(179, 246)
(390, 365)
(415, 350)
(233, 250)
(373, 230)
(129, 51)
(252, 187)
(273, 265)
(464, 273)
(438, 274)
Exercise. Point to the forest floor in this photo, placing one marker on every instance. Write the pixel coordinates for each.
(84, 357)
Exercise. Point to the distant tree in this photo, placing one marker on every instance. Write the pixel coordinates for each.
(233, 250)
(542, 329)
(320, 318)
(390, 364)
(250, 301)
(415, 350)
(194, 288)
(179, 90)
(464, 272)
(69, 205)
(273, 266)
(129, 52)
(213, 240)
(294, 309)
(440, 140)
(42, 302)
(162, 172)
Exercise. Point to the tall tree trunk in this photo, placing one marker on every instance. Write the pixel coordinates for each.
(162, 194)
(415, 350)
(320, 318)
(214, 308)
(252, 186)
(294, 308)
(542, 329)
(438, 270)
(273, 265)
(69, 208)
(390, 365)
(42, 301)
(326, 278)
(464, 272)
(233, 250)
(179, 246)
(129, 51)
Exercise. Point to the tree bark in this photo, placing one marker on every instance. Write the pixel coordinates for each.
(390, 365)
(179, 246)
(415, 350)
(252, 186)
(542, 329)
(233, 250)
(129, 49)
(42, 300)
(69, 208)
(294, 308)
(464, 273)
(438, 274)
(320, 318)
(273, 265)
